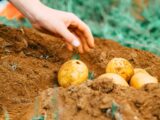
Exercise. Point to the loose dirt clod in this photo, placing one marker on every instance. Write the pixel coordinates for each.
(30, 60)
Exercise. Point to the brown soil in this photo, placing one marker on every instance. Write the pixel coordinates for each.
(29, 61)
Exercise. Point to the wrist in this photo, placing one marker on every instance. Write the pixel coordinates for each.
(30, 8)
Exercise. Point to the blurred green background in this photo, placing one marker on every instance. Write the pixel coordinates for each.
(120, 20)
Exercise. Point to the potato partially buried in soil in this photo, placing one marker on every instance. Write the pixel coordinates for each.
(140, 79)
(120, 66)
(116, 79)
(73, 72)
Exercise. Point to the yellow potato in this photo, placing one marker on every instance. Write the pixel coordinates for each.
(140, 70)
(120, 66)
(72, 72)
(140, 79)
(117, 79)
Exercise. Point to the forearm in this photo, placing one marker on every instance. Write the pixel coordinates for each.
(29, 8)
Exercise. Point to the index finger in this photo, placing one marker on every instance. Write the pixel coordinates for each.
(85, 30)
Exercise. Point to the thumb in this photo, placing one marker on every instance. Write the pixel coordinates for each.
(68, 36)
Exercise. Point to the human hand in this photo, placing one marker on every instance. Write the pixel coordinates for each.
(74, 32)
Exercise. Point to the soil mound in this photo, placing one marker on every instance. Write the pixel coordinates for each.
(30, 60)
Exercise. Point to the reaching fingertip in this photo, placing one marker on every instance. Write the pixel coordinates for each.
(80, 49)
(69, 47)
(91, 43)
(75, 43)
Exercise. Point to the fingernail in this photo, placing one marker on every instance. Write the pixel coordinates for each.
(75, 43)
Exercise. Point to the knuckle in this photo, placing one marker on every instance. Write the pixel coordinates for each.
(87, 28)
(71, 14)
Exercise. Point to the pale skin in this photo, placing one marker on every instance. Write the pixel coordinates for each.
(74, 32)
